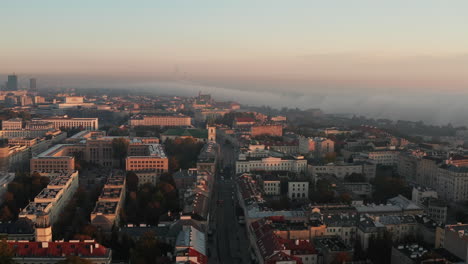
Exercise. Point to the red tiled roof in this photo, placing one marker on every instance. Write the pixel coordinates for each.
(58, 249)
(244, 119)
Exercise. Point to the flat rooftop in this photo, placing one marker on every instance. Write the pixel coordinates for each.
(105, 207)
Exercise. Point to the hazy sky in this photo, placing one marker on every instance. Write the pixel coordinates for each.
(418, 46)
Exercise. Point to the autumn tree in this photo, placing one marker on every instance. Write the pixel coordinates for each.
(6, 253)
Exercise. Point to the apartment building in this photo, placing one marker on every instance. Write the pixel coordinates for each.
(161, 120)
(106, 213)
(52, 199)
(452, 183)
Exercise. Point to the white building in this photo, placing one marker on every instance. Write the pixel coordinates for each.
(452, 183)
(419, 193)
(271, 185)
(298, 190)
(12, 124)
(68, 122)
(294, 164)
(341, 170)
(384, 157)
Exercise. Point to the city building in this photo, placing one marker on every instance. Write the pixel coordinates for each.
(454, 238)
(69, 122)
(298, 190)
(208, 158)
(12, 83)
(332, 248)
(341, 169)
(267, 129)
(52, 200)
(161, 120)
(319, 147)
(12, 124)
(293, 163)
(106, 213)
(190, 246)
(452, 183)
(198, 135)
(33, 84)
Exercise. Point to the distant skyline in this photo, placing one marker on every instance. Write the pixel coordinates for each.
(366, 43)
(395, 59)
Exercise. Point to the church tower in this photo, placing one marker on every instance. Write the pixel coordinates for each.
(43, 228)
(211, 133)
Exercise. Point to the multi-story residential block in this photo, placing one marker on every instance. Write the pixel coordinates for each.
(53, 199)
(399, 226)
(161, 120)
(106, 213)
(452, 183)
(407, 165)
(342, 225)
(427, 171)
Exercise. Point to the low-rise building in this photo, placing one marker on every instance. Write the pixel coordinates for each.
(190, 246)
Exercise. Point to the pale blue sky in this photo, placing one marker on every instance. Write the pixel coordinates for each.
(372, 40)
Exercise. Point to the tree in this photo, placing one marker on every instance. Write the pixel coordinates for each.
(74, 260)
(120, 149)
(6, 253)
(355, 177)
(132, 181)
(147, 249)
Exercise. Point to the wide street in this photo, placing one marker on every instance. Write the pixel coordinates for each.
(229, 243)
